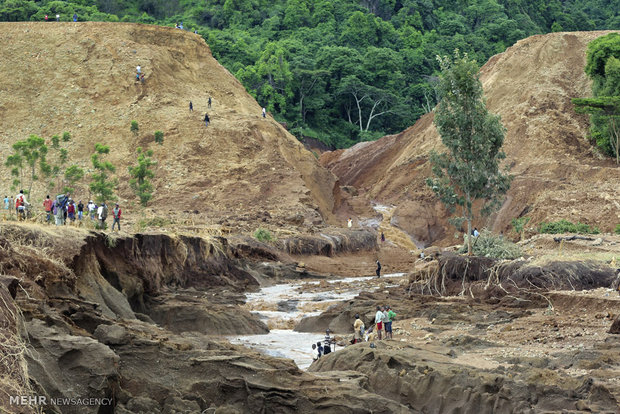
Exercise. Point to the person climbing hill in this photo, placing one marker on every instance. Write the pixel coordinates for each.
(206, 119)
(191, 106)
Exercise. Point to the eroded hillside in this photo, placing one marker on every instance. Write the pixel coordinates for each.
(80, 78)
(557, 172)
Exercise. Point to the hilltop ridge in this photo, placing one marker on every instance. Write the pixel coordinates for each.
(558, 174)
(80, 78)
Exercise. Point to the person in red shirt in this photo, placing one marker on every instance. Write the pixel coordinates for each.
(47, 205)
(116, 213)
(71, 211)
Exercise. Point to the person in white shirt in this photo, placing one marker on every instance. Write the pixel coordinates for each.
(379, 321)
(315, 352)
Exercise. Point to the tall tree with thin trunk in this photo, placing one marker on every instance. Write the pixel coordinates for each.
(470, 169)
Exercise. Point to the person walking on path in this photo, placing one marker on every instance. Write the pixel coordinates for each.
(378, 271)
(358, 329)
(191, 106)
(379, 322)
(117, 217)
(391, 315)
(47, 205)
(206, 119)
(209, 103)
(264, 113)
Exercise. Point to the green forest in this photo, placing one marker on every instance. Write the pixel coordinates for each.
(341, 71)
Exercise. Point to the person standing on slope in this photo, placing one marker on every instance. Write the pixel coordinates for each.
(378, 271)
(75, 17)
(191, 106)
(209, 103)
(206, 119)
(47, 206)
(379, 322)
(264, 113)
(116, 213)
(80, 210)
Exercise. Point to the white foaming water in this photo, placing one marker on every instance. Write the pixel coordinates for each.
(286, 343)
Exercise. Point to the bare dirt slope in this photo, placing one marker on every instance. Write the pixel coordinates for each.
(557, 172)
(81, 78)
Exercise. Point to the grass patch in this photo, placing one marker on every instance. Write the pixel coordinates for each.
(263, 235)
(617, 229)
(565, 226)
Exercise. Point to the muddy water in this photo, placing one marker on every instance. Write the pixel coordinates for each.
(282, 306)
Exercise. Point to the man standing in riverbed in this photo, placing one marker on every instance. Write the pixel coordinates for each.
(358, 329)
(390, 316)
(379, 322)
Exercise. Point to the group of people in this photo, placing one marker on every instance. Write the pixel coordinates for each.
(383, 321)
(383, 326)
(75, 17)
(65, 210)
(319, 349)
(207, 119)
(139, 74)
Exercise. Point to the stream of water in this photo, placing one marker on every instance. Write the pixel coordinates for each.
(282, 306)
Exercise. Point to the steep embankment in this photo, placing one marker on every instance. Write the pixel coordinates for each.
(81, 78)
(75, 322)
(557, 172)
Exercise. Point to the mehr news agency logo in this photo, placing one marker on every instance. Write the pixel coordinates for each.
(42, 400)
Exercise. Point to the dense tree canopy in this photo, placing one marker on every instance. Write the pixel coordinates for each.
(342, 70)
(603, 67)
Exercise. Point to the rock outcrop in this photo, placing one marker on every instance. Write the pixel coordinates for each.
(132, 324)
(429, 381)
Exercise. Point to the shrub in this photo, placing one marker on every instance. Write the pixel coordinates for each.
(262, 235)
(492, 245)
(518, 224)
(617, 229)
(565, 226)
(159, 137)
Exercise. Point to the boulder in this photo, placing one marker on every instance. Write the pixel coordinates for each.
(111, 334)
(62, 365)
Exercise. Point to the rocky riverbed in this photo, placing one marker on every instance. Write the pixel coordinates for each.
(144, 323)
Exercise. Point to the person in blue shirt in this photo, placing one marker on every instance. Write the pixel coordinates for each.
(7, 202)
(75, 17)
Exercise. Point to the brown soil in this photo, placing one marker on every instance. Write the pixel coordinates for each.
(79, 77)
(558, 174)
